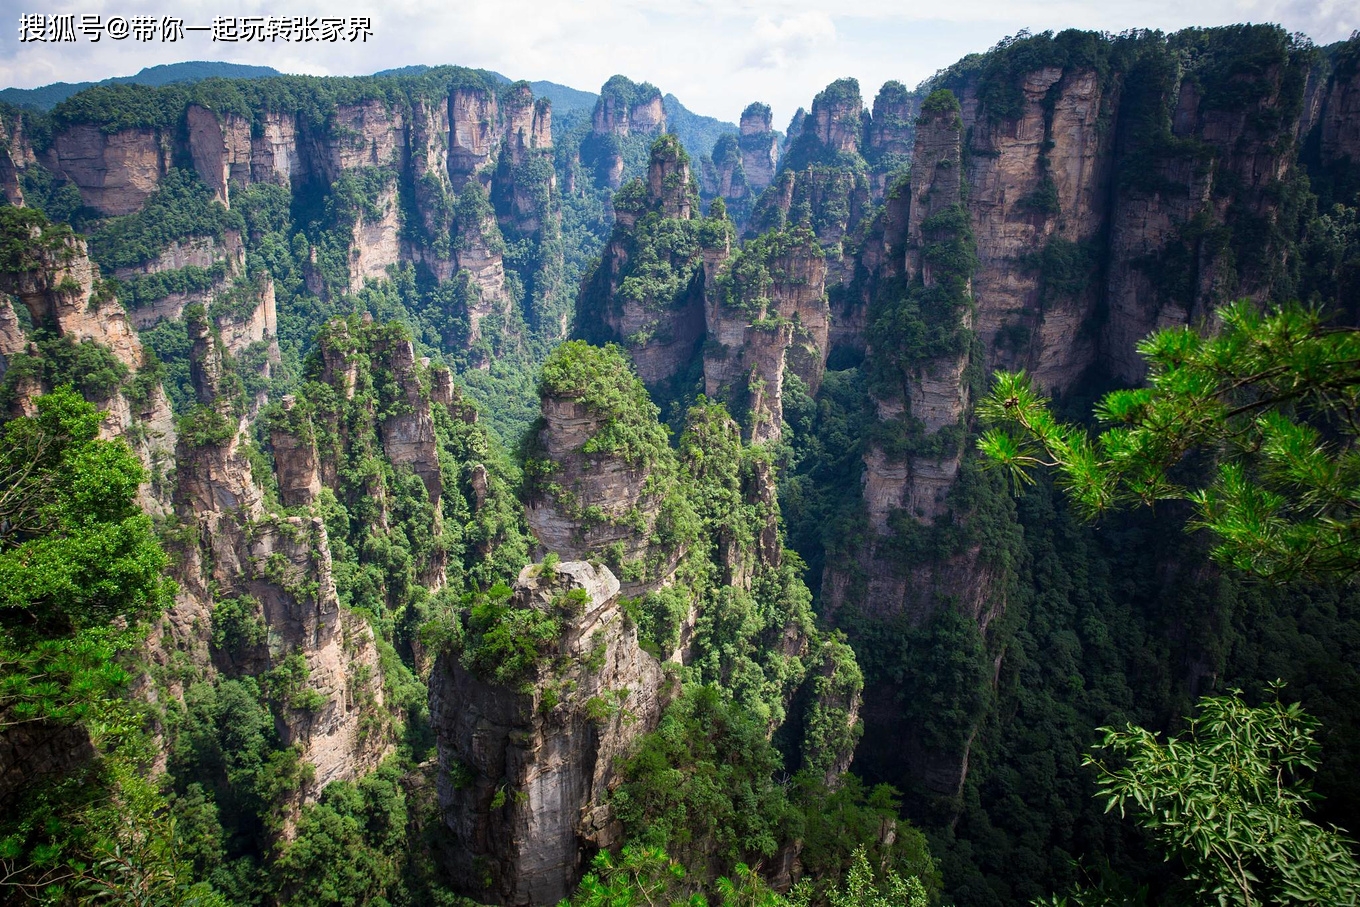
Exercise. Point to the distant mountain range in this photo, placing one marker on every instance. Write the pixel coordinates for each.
(696, 132)
(48, 96)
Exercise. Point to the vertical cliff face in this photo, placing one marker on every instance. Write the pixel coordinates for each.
(889, 136)
(891, 126)
(601, 472)
(759, 149)
(924, 393)
(1204, 161)
(473, 136)
(628, 108)
(1038, 203)
(436, 144)
(376, 242)
(528, 752)
(220, 148)
(407, 431)
(765, 311)
(724, 175)
(115, 172)
(1340, 123)
(836, 119)
(528, 123)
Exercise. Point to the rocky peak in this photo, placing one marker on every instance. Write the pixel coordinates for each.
(61, 288)
(50, 273)
(724, 176)
(936, 175)
(759, 149)
(796, 124)
(528, 751)
(207, 368)
(756, 119)
(669, 184)
(765, 311)
(407, 427)
(837, 115)
(528, 123)
(895, 109)
(626, 107)
(661, 325)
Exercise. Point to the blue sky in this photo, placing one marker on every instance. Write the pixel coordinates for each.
(715, 55)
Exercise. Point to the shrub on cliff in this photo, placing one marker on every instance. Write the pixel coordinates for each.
(602, 380)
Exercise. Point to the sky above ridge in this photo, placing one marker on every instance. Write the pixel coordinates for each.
(715, 56)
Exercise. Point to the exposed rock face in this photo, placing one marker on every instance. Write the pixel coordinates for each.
(890, 137)
(759, 150)
(661, 327)
(668, 182)
(35, 752)
(59, 290)
(295, 464)
(429, 148)
(890, 129)
(408, 434)
(368, 134)
(197, 251)
(115, 172)
(12, 337)
(274, 153)
(220, 148)
(59, 293)
(1162, 271)
(625, 109)
(528, 123)
(257, 324)
(937, 394)
(1340, 126)
(377, 242)
(473, 115)
(723, 174)
(754, 333)
(832, 202)
(479, 256)
(602, 484)
(200, 252)
(836, 118)
(525, 769)
(10, 189)
(1040, 180)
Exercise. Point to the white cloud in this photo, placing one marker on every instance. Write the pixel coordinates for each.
(777, 44)
(715, 55)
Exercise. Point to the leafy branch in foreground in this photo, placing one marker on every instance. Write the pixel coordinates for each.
(1227, 799)
(1273, 399)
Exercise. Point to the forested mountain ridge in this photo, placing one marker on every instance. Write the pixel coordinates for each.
(406, 662)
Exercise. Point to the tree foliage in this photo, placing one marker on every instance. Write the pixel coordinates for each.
(1228, 798)
(80, 573)
(1271, 400)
